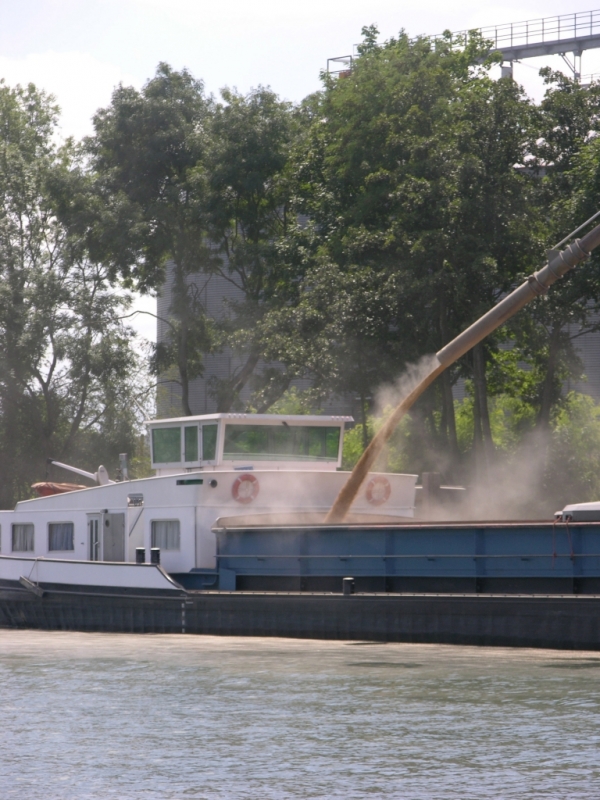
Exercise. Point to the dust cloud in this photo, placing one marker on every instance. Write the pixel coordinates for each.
(392, 394)
(483, 486)
(507, 486)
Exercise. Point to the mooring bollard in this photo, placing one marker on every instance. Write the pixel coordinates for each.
(155, 555)
(140, 555)
(348, 586)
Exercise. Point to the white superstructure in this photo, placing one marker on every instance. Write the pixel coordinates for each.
(218, 465)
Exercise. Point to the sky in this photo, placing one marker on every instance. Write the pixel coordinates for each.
(79, 50)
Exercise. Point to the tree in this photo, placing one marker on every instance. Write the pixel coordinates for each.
(66, 364)
(565, 159)
(408, 178)
(337, 333)
(139, 203)
(249, 200)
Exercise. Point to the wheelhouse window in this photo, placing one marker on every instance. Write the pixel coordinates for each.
(22, 537)
(61, 536)
(190, 442)
(285, 443)
(166, 534)
(166, 445)
(209, 442)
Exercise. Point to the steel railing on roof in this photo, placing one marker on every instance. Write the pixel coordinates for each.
(537, 31)
(578, 26)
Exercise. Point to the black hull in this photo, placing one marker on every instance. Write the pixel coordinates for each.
(562, 622)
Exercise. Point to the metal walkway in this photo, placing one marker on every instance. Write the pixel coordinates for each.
(562, 35)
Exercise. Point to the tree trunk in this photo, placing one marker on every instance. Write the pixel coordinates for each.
(182, 364)
(272, 397)
(481, 390)
(239, 382)
(548, 385)
(363, 419)
(482, 438)
(180, 310)
(448, 415)
(185, 383)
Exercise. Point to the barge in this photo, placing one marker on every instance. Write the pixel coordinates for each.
(382, 577)
(247, 529)
(229, 537)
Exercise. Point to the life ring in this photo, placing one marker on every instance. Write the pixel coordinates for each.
(378, 490)
(245, 488)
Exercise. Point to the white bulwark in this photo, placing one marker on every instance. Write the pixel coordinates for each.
(207, 467)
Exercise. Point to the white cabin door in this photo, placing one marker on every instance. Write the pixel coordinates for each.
(113, 537)
(94, 537)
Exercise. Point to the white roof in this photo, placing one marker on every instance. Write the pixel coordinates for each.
(258, 419)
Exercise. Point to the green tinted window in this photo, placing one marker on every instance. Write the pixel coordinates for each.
(209, 442)
(285, 443)
(166, 445)
(190, 439)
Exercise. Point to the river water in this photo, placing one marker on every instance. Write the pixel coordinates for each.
(90, 716)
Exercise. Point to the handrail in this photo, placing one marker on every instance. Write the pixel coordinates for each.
(539, 31)
(543, 30)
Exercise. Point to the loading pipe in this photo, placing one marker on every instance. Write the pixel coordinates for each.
(535, 285)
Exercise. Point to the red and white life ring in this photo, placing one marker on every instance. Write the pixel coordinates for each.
(245, 488)
(378, 490)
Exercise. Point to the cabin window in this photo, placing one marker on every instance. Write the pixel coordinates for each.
(166, 445)
(165, 534)
(190, 441)
(209, 442)
(22, 538)
(61, 536)
(285, 443)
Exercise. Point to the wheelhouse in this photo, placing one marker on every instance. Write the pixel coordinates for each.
(238, 441)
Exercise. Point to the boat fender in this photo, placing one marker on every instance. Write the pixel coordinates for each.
(245, 488)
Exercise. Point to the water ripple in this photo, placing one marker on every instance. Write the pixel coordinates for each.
(102, 716)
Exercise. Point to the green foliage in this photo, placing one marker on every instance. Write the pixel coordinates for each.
(338, 330)
(573, 464)
(569, 453)
(510, 417)
(396, 456)
(139, 200)
(295, 401)
(430, 190)
(360, 231)
(248, 212)
(417, 216)
(70, 381)
(172, 180)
